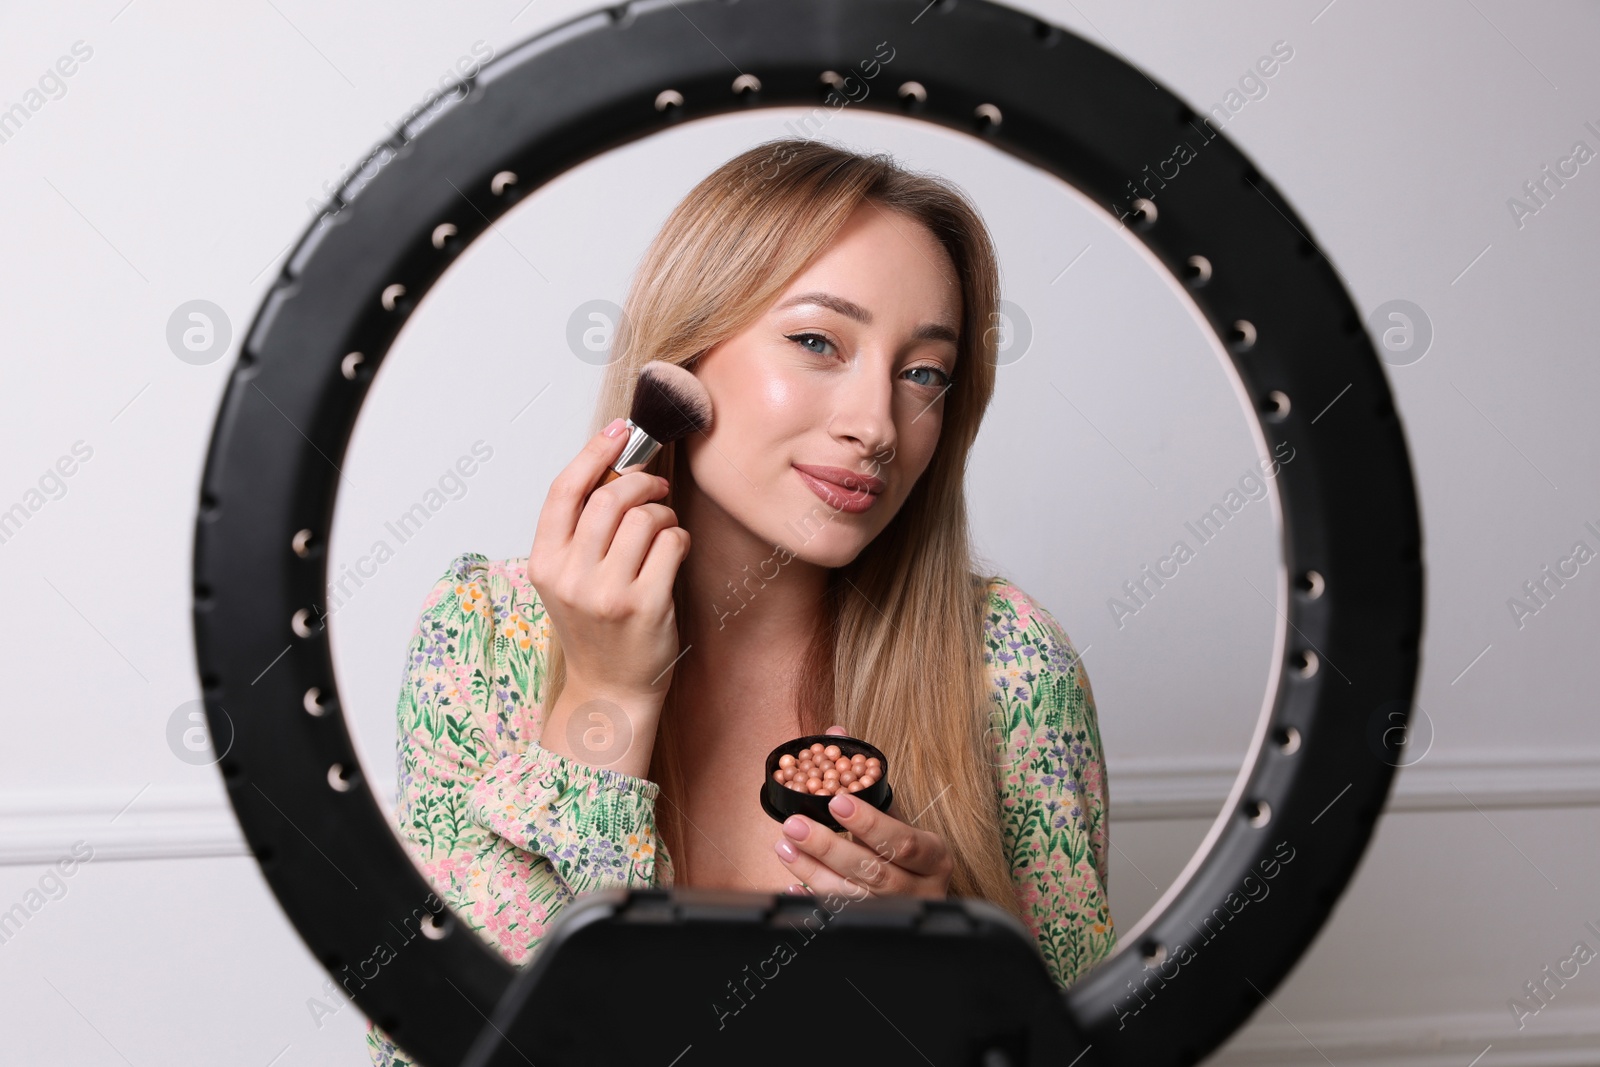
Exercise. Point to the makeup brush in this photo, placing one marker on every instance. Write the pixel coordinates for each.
(668, 403)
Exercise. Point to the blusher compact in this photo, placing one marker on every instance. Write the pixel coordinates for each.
(781, 800)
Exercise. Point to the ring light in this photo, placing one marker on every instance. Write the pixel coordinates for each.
(1350, 592)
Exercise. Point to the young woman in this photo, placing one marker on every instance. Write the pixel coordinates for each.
(598, 713)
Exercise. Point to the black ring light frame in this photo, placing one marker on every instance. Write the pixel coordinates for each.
(1351, 537)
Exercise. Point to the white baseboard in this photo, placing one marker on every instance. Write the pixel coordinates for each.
(1145, 790)
(1555, 1037)
(173, 822)
(156, 822)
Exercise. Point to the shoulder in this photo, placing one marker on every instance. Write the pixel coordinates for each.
(1037, 675)
(497, 591)
(1014, 620)
(473, 575)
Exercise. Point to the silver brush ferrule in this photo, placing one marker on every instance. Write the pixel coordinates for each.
(641, 448)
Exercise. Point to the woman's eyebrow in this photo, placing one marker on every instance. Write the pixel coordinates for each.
(928, 331)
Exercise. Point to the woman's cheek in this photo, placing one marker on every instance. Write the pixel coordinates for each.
(779, 395)
(917, 440)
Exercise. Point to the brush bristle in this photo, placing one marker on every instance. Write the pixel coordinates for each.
(669, 402)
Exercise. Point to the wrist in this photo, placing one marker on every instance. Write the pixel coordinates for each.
(603, 727)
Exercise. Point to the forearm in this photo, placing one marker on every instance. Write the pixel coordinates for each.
(507, 831)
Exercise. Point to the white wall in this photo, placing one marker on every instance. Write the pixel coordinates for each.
(176, 166)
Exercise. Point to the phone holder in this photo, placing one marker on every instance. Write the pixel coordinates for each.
(762, 964)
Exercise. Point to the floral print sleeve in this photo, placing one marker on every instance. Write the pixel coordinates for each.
(505, 830)
(1052, 781)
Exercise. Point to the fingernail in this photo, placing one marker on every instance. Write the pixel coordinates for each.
(786, 850)
(616, 428)
(842, 806)
(796, 827)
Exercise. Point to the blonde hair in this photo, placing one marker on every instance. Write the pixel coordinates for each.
(897, 655)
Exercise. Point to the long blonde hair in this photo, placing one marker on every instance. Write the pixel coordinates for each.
(897, 655)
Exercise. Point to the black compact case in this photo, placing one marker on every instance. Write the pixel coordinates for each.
(780, 802)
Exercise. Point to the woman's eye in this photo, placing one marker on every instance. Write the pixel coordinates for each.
(942, 380)
(801, 339)
(938, 380)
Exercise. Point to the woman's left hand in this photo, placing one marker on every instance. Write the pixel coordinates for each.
(887, 858)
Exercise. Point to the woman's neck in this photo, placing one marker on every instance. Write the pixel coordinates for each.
(752, 608)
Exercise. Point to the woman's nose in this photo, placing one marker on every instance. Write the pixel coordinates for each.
(864, 410)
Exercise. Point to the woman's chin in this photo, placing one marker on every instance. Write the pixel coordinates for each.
(828, 550)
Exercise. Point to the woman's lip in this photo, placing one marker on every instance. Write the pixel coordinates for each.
(849, 480)
(835, 495)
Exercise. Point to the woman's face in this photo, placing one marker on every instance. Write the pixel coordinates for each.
(842, 380)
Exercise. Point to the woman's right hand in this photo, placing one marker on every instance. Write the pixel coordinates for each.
(604, 569)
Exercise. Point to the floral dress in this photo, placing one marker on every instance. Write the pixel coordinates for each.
(508, 832)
